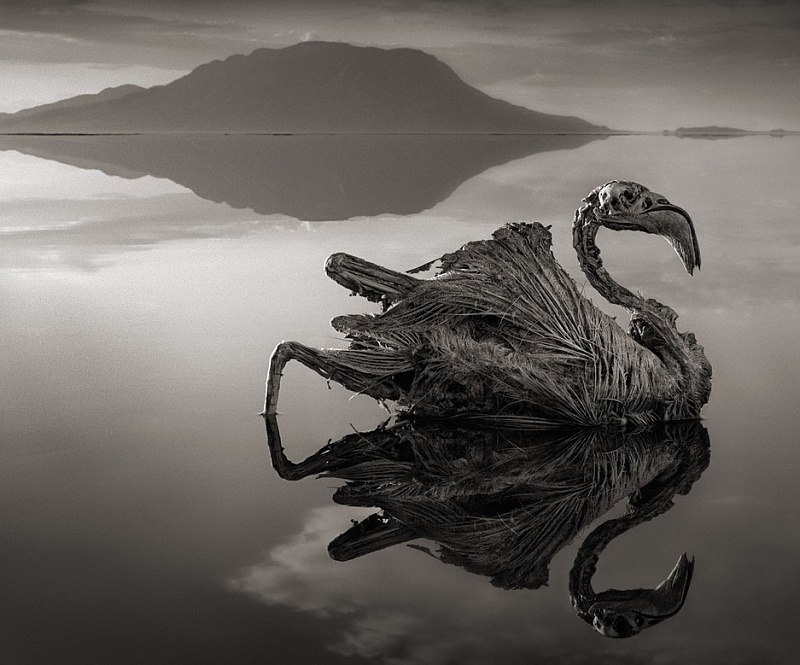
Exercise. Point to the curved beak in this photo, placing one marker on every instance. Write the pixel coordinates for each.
(676, 226)
(664, 219)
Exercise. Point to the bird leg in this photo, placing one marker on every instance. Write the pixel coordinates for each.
(368, 371)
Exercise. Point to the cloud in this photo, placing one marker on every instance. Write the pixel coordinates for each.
(93, 21)
(80, 32)
(390, 608)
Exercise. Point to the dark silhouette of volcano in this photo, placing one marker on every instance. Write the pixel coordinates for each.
(308, 177)
(310, 87)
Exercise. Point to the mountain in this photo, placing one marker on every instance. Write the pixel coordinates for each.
(79, 101)
(305, 88)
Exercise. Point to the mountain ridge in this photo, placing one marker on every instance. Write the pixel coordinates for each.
(106, 94)
(309, 87)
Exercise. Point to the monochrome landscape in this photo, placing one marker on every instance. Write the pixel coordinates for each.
(165, 226)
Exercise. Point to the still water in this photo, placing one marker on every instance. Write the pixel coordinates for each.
(143, 285)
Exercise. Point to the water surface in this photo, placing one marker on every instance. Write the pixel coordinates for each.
(142, 521)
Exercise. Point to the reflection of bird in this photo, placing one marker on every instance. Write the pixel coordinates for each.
(623, 613)
(503, 331)
(502, 503)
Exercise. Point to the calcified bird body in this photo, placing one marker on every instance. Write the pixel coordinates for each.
(502, 331)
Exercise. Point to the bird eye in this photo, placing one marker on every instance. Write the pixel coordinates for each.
(622, 627)
(628, 195)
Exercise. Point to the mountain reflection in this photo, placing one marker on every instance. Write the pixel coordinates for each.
(309, 177)
(502, 502)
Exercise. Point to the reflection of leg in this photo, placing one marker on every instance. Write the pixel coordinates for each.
(349, 451)
(286, 469)
(369, 371)
(370, 280)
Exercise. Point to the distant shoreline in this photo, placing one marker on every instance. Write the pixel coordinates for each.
(607, 133)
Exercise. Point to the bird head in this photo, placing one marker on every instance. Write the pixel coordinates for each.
(621, 614)
(623, 205)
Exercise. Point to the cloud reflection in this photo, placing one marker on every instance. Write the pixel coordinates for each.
(299, 574)
(377, 626)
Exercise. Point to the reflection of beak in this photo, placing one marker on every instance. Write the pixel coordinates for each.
(668, 597)
(676, 226)
(651, 606)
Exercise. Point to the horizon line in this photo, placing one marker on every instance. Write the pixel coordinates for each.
(612, 132)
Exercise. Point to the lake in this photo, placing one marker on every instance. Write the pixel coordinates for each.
(144, 281)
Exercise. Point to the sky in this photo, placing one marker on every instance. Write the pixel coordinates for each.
(628, 65)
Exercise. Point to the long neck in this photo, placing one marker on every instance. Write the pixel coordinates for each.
(655, 321)
(584, 231)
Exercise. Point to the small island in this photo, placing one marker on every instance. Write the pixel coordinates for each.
(717, 132)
